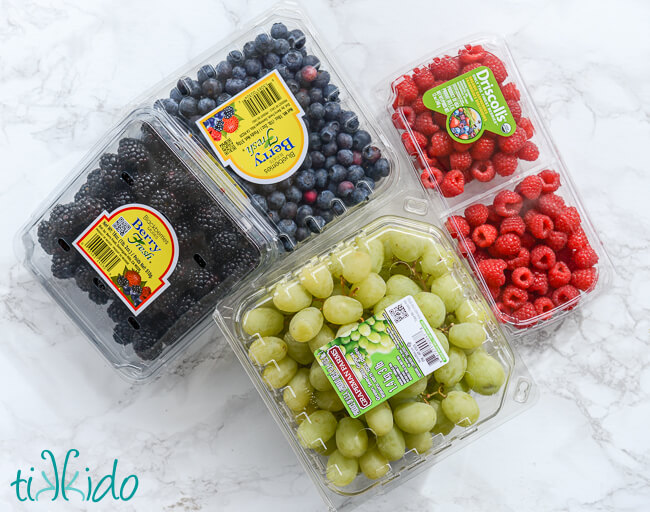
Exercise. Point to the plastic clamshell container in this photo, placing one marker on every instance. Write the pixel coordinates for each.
(360, 153)
(210, 239)
(516, 392)
(483, 192)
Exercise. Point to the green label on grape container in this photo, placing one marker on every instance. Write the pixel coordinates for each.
(473, 103)
(381, 356)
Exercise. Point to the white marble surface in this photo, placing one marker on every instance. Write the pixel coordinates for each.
(200, 438)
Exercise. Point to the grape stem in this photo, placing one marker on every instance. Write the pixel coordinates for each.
(414, 273)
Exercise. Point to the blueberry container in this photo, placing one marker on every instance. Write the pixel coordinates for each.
(140, 241)
(270, 107)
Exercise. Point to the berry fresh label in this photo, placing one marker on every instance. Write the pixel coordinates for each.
(381, 356)
(259, 133)
(473, 103)
(134, 249)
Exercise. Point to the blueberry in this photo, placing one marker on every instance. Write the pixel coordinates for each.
(322, 79)
(330, 92)
(293, 194)
(359, 195)
(266, 188)
(263, 43)
(349, 121)
(284, 71)
(317, 158)
(288, 210)
(306, 163)
(170, 105)
(382, 166)
(311, 60)
(235, 85)
(324, 199)
(175, 94)
(322, 178)
(308, 74)
(206, 105)
(344, 141)
(279, 31)
(239, 72)
(276, 200)
(195, 88)
(303, 98)
(206, 72)
(329, 131)
(274, 216)
(263, 72)
(252, 67)
(302, 213)
(224, 70)
(223, 98)
(316, 95)
(371, 154)
(314, 141)
(316, 111)
(293, 86)
(345, 157)
(284, 184)
(316, 223)
(367, 183)
(183, 86)
(188, 106)
(287, 226)
(360, 140)
(271, 60)
(303, 52)
(330, 162)
(345, 188)
(330, 148)
(355, 173)
(305, 180)
(332, 110)
(235, 58)
(293, 60)
(289, 242)
(296, 38)
(260, 202)
(302, 234)
(281, 47)
(211, 88)
(317, 124)
(338, 208)
(338, 173)
(328, 215)
(249, 50)
(250, 80)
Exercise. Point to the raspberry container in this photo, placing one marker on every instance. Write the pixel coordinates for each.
(474, 137)
(270, 107)
(140, 241)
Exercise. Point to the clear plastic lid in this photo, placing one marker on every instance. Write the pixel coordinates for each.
(138, 244)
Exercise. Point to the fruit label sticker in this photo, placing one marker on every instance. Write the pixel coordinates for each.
(134, 249)
(473, 103)
(259, 133)
(381, 356)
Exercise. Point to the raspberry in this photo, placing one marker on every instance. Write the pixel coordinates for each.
(484, 235)
(431, 177)
(504, 164)
(497, 67)
(542, 257)
(514, 296)
(568, 221)
(440, 144)
(406, 90)
(493, 216)
(482, 149)
(530, 187)
(483, 170)
(577, 240)
(521, 260)
(540, 226)
(507, 203)
(585, 258)
(423, 79)
(459, 147)
(424, 124)
(466, 246)
(522, 277)
(510, 92)
(528, 240)
(476, 214)
(515, 109)
(551, 205)
(514, 142)
(398, 121)
(543, 305)
(528, 152)
(408, 115)
(410, 145)
(457, 224)
(460, 161)
(565, 294)
(492, 271)
(507, 245)
(525, 313)
(556, 240)
(502, 311)
(419, 106)
(469, 67)
(527, 126)
(514, 224)
(495, 291)
(529, 215)
(584, 279)
(540, 283)
(444, 68)
(559, 275)
(471, 54)
(424, 162)
(452, 184)
(550, 180)
(481, 255)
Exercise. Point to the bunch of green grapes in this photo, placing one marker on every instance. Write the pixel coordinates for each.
(345, 296)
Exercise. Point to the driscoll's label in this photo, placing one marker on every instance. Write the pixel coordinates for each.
(259, 133)
(134, 249)
(381, 356)
(473, 103)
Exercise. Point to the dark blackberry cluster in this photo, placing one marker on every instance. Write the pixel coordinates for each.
(343, 165)
(146, 171)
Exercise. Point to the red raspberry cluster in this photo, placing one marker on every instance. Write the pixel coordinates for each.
(530, 249)
(443, 162)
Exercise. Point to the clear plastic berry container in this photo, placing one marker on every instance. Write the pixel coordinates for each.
(305, 307)
(139, 243)
(269, 105)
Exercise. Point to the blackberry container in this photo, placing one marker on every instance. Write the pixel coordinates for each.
(271, 108)
(489, 164)
(140, 241)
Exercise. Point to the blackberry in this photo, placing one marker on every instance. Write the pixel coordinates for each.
(123, 333)
(122, 281)
(97, 296)
(64, 266)
(185, 303)
(108, 182)
(243, 260)
(89, 208)
(118, 312)
(151, 140)
(132, 155)
(84, 277)
(228, 112)
(168, 301)
(201, 282)
(122, 198)
(47, 237)
(64, 219)
(146, 344)
(224, 242)
(210, 217)
(84, 191)
(218, 125)
(191, 316)
(166, 203)
(109, 161)
(146, 185)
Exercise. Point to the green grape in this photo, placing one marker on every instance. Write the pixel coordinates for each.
(263, 321)
(412, 391)
(341, 470)
(460, 408)
(299, 351)
(334, 262)
(470, 311)
(467, 336)
(421, 442)
(328, 400)
(291, 297)
(384, 303)
(317, 429)
(370, 290)
(442, 339)
(388, 251)
(298, 392)
(415, 417)
(375, 249)
(324, 336)
(317, 280)
(432, 308)
(318, 378)
(328, 449)
(278, 373)
(341, 310)
(436, 261)
(346, 329)
(449, 290)
(453, 371)
(266, 349)
(401, 286)
(339, 289)
(392, 445)
(351, 437)
(406, 246)
(306, 324)
(356, 266)
(380, 419)
(459, 386)
(373, 464)
(303, 414)
(485, 374)
(443, 425)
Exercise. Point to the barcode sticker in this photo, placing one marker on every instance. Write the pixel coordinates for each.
(261, 99)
